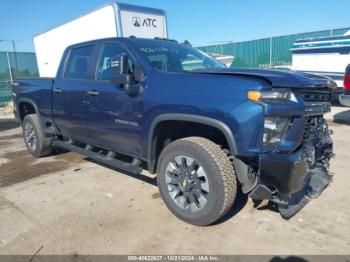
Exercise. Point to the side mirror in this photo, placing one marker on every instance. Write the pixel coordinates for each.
(121, 75)
(120, 70)
(120, 64)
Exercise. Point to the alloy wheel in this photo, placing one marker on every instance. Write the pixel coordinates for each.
(187, 183)
(30, 136)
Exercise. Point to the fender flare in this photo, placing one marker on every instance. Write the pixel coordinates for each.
(226, 131)
(29, 101)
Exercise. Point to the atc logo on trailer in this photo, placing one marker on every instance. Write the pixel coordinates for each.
(136, 21)
(148, 22)
(143, 25)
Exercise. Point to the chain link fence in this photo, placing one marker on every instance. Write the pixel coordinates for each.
(267, 52)
(12, 66)
(261, 53)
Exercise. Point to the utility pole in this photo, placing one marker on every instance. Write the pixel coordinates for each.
(13, 42)
(14, 51)
(9, 65)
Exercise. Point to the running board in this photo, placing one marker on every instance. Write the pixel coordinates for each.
(108, 159)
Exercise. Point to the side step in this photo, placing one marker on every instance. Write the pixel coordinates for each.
(108, 159)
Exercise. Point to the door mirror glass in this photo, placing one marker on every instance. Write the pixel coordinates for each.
(120, 70)
(120, 65)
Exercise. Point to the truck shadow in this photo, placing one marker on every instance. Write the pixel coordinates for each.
(268, 206)
(238, 205)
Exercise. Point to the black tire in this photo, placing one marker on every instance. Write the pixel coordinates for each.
(36, 142)
(220, 180)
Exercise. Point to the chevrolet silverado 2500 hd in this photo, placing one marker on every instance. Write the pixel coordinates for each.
(204, 129)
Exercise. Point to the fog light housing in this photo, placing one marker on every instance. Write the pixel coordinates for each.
(275, 130)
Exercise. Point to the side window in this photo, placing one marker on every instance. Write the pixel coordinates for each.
(110, 52)
(78, 63)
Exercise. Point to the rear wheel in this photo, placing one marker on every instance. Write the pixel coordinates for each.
(36, 142)
(196, 180)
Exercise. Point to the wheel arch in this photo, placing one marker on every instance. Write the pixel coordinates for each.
(218, 125)
(27, 106)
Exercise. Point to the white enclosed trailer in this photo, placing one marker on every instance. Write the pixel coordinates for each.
(112, 20)
(327, 56)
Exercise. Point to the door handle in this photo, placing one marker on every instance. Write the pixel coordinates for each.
(93, 93)
(57, 90)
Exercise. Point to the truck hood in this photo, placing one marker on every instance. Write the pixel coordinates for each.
(277, 78)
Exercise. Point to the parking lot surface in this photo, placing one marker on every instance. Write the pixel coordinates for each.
(67, 204)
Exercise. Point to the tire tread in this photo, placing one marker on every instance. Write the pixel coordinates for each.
(45, 143)
(225, 166)
(222, 168)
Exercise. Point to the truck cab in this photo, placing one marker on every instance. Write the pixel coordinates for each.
(204, 129)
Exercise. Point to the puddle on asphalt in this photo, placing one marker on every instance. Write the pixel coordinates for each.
(6, 124)
(21, 166)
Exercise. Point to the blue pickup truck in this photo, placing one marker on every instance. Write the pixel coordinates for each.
(207, 131)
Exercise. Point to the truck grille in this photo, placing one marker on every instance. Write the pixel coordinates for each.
(317, 108)
(317, 102)
(311, 125)
(314, 96)
(315, 129)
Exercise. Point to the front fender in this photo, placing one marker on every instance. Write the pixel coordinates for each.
(226, 131)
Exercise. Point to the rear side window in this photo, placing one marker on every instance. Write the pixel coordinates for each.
(78, 63)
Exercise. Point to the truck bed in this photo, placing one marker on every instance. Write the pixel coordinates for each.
(35, 90)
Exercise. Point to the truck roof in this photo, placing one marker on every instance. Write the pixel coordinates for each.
(124, 39)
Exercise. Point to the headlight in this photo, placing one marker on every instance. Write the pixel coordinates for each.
(275, 129)
(280, 95)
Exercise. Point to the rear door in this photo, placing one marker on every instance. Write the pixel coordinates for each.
(69, 93)
(114, 117)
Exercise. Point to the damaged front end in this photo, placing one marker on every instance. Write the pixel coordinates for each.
(292, 178)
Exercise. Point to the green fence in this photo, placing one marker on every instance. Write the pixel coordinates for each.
(12, 66)
(267, 52)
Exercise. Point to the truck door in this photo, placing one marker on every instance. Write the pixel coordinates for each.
(69, 94)
(114, 117)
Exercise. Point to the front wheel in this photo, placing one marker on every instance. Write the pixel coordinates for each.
(196, 180)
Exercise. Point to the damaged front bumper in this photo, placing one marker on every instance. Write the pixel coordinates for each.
(292, 180)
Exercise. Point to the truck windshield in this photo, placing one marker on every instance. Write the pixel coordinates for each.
(170, 56)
